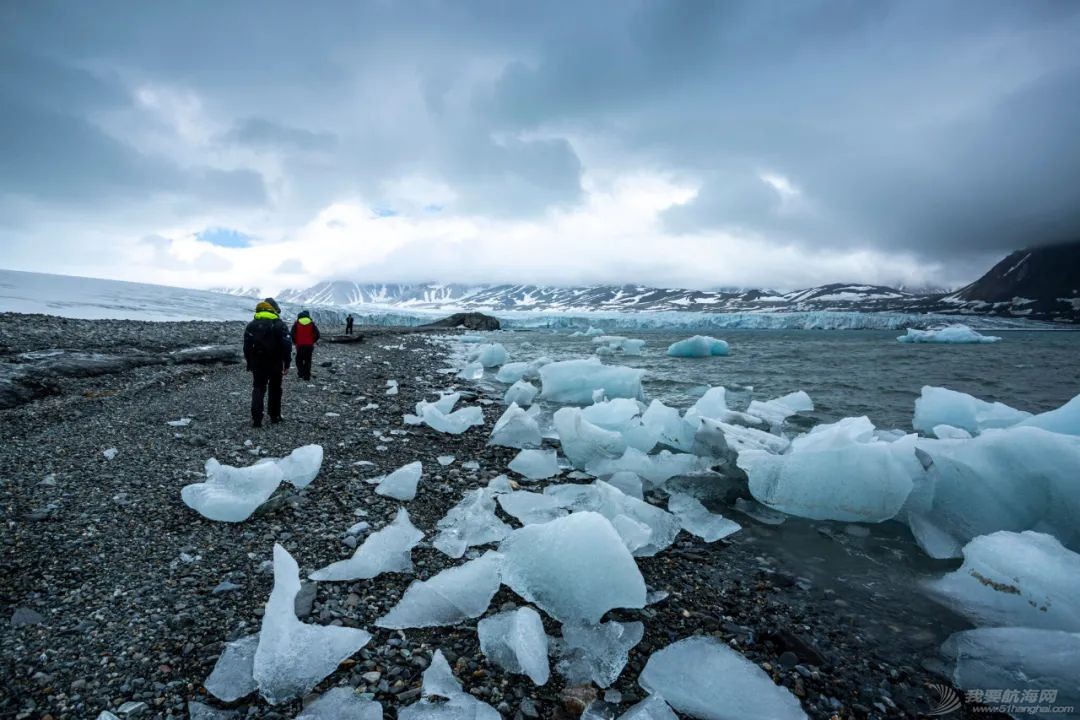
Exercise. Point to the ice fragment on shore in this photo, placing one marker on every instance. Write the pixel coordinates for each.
(697, 520)
(110, 453)
(536, 464)
(488, 355)
(703, 677)
(575, 568)
(199, 711)
(341, 703)
(1064, 420)
(1024, 579)
(622, 415)
(445, 460)
(453, 423)
(516, 642)
(182, 422)
(302, 465)
(596, 653)
(651, 708)
(471, 522)
(231, 678)
(941, 406)
(531, 508)
(471, 371)
(574, 381)
(521, 393)
(451, 596)
(655, 469)
(516, 429)
(385, 550)
(401, 484)
(951, 334)
(698, 346)
(669, 426)
(948, 432)
(626, 482)
(439, 681)
(584, 443)
(293, 657)
(232, 494)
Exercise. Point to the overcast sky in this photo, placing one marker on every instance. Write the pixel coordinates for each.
(693, 144)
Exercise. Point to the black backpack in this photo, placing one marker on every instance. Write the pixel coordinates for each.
(265, 339)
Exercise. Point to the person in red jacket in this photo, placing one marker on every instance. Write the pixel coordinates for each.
(305, 333)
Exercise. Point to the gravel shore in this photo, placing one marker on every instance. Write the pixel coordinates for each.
(112, 588)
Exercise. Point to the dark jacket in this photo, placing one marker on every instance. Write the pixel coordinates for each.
(267, 343)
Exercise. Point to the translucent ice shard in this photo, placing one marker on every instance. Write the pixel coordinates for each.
(516, 429)
(471, 522)
(385, 550)
(401, 484)
(536, 464)
(341, 703)
(596, 653)
(451, 596)
(941, 406)
(521, 393)
(697, 520)
(231, 678)
(573, 381)
(301, 466)
(232, 494)
(516, 642)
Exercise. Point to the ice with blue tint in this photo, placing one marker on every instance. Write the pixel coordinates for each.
(623, 415)
(702, 677)
(521, 393)
(453, 423)
(590, 653)
(471, 522)
(385, 550)
(618, 343)
(515, 641)
(232, 494)
(583, 442)
(950, 335)
(941, 406)
(536, 464)
(713, 405)
(721, 440)
(231, 678)
(573, 382)
(293, 657)
(516, 429)
(626, 482)
(655, 469)
(445, 404)
(839, 471)
(339, 703)
(644, 528)
(1020, 478)
(651, 708)
(302, 465)
(1026, 579)
(776, 411)
(669, 426)
(515, 371)
(698, 346)
(948, 432)
(696, 519)
(471, 371)
(488, 355)
(439, 681)
(531, 508)
(575, 568)
(448, 598)
(1064, 420)
(401, 484)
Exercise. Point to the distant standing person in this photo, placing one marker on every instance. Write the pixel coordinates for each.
(305, 333)
(268, 352)
(348, 325)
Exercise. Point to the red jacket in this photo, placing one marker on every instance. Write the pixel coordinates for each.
(304, 333)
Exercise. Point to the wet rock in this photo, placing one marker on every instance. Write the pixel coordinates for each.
(25, 616)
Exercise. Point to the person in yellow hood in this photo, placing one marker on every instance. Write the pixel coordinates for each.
(268, 352)
(305, 333)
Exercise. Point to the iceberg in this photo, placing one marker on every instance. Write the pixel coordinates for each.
(516, 642)
(488, 355)
(575, 568)
(941, 406)
(698, 346)
(452, 596)
(302, 465)
(536, 464)
(839, 471)
(231, 678)
(951, 335)
(697, 520)
(292, 657)
(1025, 579)
(232, 494)
(521, 393)
(471, 522)
(703, 677)
(453, 423)
(572, 382)
(340, 703)
(1064, 420)
(439, 681)
(596, 653)
(385, 550)
(516, 429)
(401, 484)
(531, 508)
(582, 442)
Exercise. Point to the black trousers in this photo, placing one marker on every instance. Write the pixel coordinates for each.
(348, 328)
(303, 361)
(263, 379)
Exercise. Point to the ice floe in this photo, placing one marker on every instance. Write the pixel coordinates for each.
(951, 335)
(385, 550)
(573, 382)
(698, 346)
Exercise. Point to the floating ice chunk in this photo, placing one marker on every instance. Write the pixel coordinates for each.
(703, 677)
(445, 460)
(385, 550)
(451, 596)
(618, 343)
(516, 429)
(698, 346)
(584, 443)
(697, 520)
(951, 334)
(1021, 478)
(471, 522)
(627, 483)
(110, 453)
(573, 381)
(761, 513)
(941, 406)
(302, 465)
(1064, 420)
(596, 653)
(439, 681)
(456, 422)
(488, 355)
(531, 508)
(471, 371)
(1022, 658)
(536, 464)
(341, 703)
(516, 642)
(1024, 579)
(651, 708)
(292, 657)
(777, 410)
(182, 422)
(948, 432)
(231, 678)
(401, 484)
(521, 393)
(655, 469)
(669, 426)
(231, 494)
(838, 471)
(575, 568)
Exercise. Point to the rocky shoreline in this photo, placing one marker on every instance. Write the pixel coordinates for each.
(118, 596)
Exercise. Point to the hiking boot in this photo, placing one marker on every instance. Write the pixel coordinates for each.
(256, 422)
(275, 421)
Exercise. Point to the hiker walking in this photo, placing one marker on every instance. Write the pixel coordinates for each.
(348, 324)
(304, 333)
(268, 352)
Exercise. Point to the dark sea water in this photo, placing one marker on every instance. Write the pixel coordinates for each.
(871, 572)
